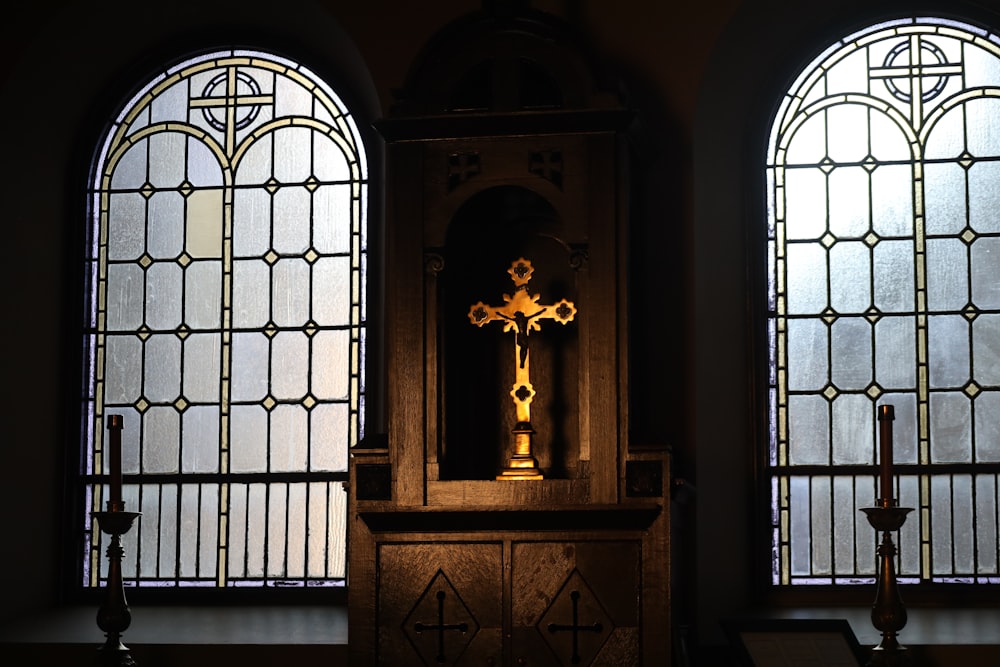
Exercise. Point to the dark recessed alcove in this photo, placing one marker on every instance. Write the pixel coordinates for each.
(487, 234)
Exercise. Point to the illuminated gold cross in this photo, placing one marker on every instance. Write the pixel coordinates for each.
(521, 314)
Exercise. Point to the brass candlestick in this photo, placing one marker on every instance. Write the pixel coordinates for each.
(114, 615)
(888, 612)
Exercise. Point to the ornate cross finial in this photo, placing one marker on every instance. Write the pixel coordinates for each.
(522, 314)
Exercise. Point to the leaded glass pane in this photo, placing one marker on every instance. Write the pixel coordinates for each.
(228, 322)
(882, 288)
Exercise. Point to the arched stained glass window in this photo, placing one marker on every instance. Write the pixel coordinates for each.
(884, 288)
(226, 323)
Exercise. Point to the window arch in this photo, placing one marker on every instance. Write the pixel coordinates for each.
(884, 288)
(225, 322)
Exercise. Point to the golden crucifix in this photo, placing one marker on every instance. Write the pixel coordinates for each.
(521, 314)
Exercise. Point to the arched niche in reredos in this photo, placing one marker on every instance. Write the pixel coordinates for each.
(489, 232)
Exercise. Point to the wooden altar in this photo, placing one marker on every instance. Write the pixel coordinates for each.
(515, 150)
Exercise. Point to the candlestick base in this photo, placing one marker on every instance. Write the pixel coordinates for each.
(888, 612)
(114, 615)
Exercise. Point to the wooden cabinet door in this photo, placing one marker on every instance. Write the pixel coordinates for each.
(575, 603)
(440, 604)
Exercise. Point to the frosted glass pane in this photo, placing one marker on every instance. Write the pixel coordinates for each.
(808, 430)
(248, 439)
(893, 276)
(963, 540)
(237, 530)
(203, 295)
(889, 142)
(328, 436)
(292, 212)
(852, 430)
(849, 202)
(251, 293)
(808, 146)
(255, 166)
(895, 352)
(316, 532)
(289, 365)
(169, 505)
(904, 426)
(951, 428)
(850, 72)
(201, 367)
(805, 203)
(203, 223)
(251, 223)
(165, 238)
(331, 163)
(291, 99)
(275, 543)
(806, 276)
(807, 355)
(822, 523)
(290, 307)
(944, 198)
(337, 531)
(200, 446)
(986, 506)
(249, 366)
(851, 353)
(162, 372)
(297, 534)
(947, 274)
(126, 225)
(986, 349)
(123, 361)
(984, 199)
(985, 259)
(909, 547)
(941, 524)
(289, 438)
(189, 535)
(292, 154)
(148, 528)
(848, 141)
(983, 119)
(892, 200)
(208, 531)
(844, 518)
(331, 225)
(160, 438)
(330, 370)
(947, 136)
(163, 296)
(130, 172)
(987, 405)
(166, 159)
(948, 350)
(170, 104)
(125, 296)
(256, 530)
(801, 562)
(203, 166)
(864, 545)
(130, 440)
(331, 291)
(850, 271)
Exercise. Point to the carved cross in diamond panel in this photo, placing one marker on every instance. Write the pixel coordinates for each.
(575, 626)
(440, 626)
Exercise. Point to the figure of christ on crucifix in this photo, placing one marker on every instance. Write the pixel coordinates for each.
(522, 314)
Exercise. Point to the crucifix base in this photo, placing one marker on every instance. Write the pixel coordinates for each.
(522, 465)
